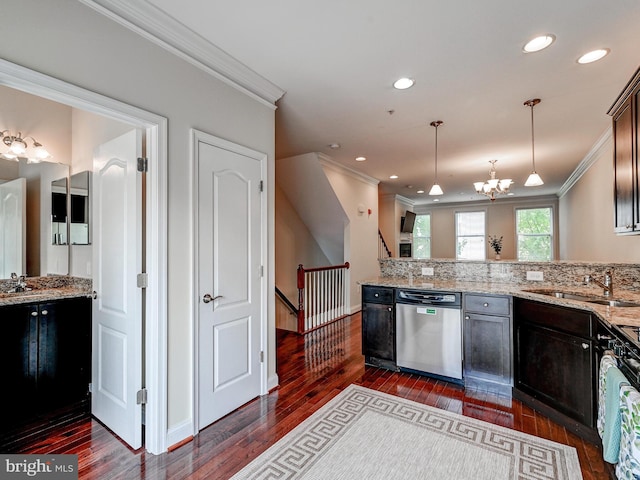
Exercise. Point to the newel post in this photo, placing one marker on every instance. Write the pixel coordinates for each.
(300, 298)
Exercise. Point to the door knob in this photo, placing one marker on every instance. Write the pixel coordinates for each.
(208, 298)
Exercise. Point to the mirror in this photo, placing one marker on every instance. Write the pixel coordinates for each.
(59, 212)
(80, 207)
(40, 256)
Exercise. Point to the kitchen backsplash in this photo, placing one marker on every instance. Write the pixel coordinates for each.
(626, 276)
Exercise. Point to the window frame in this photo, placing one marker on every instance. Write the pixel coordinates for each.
(552, 235)
(484, 234)
(414, 236)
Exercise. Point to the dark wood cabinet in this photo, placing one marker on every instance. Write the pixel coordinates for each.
(378, 326)
(45, 357)
(626, 188)
(488, 341)
(556, 359)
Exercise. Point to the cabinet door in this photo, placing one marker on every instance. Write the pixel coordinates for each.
(487, 348)
(18, 356)
(378, 331)
(558, 369)
(64, 364)
(623, 155)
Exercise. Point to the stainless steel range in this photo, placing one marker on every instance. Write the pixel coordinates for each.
(624, 341)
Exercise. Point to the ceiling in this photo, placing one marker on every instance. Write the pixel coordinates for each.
(337, 60)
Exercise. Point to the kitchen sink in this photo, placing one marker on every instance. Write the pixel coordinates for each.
(615, 303)
(586, 298)
(567, 295)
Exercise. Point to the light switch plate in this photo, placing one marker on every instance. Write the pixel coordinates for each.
(535, 276)
(427, 271)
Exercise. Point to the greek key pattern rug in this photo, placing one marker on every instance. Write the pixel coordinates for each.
(365, 434)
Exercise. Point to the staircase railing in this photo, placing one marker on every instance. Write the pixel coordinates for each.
(286, 301)
(383, 249)
(323, 296)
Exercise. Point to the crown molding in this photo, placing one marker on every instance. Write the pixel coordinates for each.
(328, 162)
(163, 30)
(589, 159)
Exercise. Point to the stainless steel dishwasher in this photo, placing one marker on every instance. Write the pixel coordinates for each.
(429, 332)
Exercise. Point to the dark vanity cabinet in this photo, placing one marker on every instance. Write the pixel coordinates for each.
(378, 326)
(626, 128)
(556, 361)
(488, 341)
(45, 357)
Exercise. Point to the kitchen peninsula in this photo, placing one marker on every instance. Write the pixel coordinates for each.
(539, 340)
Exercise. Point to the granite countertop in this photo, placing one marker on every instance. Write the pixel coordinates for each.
(611, 315)
(43, 295)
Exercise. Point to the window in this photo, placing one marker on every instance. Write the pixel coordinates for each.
(470, 241)
(422, 237)
(534, 232)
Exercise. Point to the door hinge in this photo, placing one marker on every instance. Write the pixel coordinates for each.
(90, 388)
(262, 270)
(141, 397)
(142, 280)
(262, 356)
(143, 164)
(261, 186)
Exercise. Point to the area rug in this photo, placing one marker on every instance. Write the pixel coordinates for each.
(365, 434)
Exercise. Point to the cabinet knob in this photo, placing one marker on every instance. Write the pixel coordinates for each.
(44, 312)
(389, 309)
(485, 304)
(585, 346)
(34, 314)
(376, 295)
(467, 317)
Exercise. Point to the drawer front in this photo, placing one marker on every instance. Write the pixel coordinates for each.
(568, 320)
(373, 294)
(487, 304)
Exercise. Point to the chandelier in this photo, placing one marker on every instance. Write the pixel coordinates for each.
(493, 186)
(19, 148)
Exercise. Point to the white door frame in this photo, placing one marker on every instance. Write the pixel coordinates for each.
(155, 335)
(196, 137)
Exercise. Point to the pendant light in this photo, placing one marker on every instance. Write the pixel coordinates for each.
(436, 190)
(534, 179)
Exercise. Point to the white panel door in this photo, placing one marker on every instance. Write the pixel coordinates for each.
(229, 272)
(117, 308)
(13, 210)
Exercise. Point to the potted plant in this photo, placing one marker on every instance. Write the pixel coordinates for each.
(496, 244)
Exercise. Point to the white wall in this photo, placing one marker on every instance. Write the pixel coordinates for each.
(355, 192)
(586, 216)
(72, 42)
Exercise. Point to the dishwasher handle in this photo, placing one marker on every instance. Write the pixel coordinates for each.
(428, 298)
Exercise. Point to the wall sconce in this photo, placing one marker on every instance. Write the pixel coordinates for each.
(18, 148)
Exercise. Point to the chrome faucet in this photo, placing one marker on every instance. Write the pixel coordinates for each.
(20, 284)
(607, 286)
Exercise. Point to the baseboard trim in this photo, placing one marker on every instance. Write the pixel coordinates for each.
(181, 433)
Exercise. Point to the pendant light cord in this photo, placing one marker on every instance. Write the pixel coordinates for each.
(533, 150)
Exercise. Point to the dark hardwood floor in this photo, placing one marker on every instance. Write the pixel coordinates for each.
(312, 370)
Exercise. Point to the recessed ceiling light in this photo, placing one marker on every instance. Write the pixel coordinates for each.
(539, 43)
(593, 56)
(360, 159)
(334, 146)
(404, 83)
(436, 199)
(510, 194)
(393, 177)
(420, 191)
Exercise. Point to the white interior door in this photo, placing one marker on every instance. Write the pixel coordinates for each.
(13, 209)
(117, 308)
(229, 277)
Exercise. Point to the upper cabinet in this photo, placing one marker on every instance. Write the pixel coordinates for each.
(626, 128)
